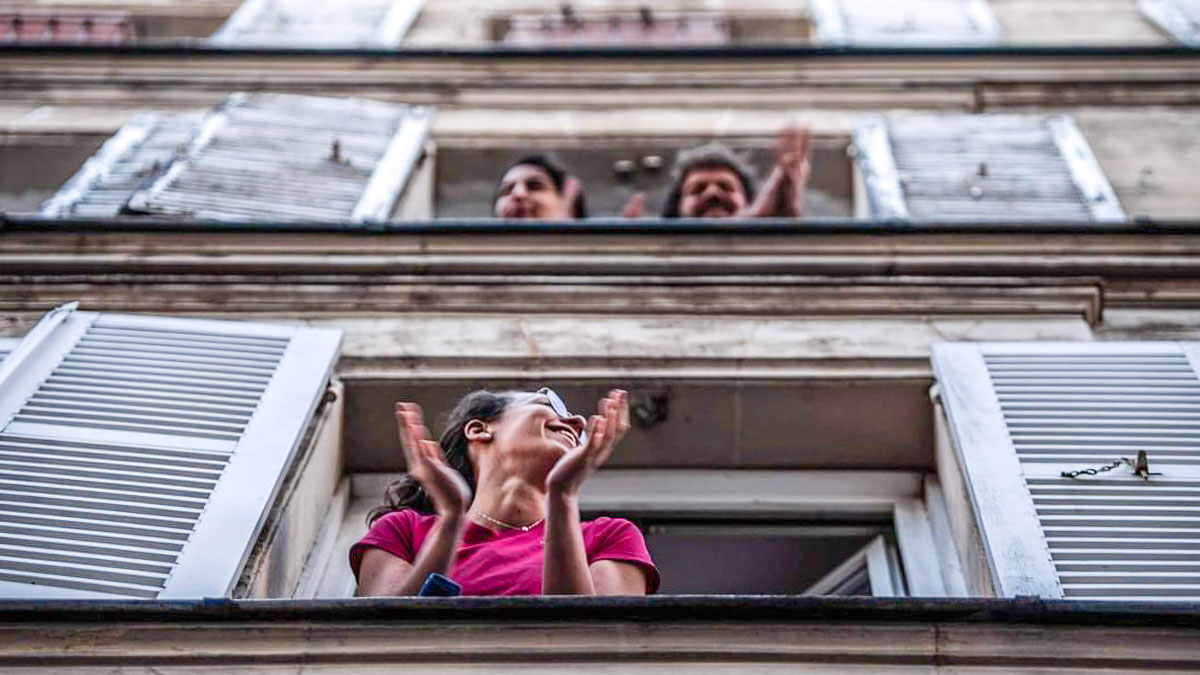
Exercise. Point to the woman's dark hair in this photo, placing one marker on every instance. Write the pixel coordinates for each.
(708, 156)
(407, 493)
(558, 176)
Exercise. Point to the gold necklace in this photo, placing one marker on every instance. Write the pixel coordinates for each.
(510, 526)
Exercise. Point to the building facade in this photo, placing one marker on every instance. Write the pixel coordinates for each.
(947, 421)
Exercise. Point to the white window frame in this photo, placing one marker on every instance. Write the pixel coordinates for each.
(877, 560)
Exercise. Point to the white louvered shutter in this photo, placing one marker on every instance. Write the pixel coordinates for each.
(981, 167)
(135, 155)
(318, 23)
(294, 158)
(905, 23)
(1179, 18)
(139, 455)
(1020, 414)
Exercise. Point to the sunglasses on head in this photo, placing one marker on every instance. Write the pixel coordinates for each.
(560, 409)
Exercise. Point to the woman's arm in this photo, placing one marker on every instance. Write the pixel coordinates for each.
(565, 570)
(616, 577)
(382, 573)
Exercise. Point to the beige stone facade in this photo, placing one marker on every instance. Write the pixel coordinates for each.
(795, 356)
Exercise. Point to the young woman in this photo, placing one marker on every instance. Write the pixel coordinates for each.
(538, 187)
(495, 505)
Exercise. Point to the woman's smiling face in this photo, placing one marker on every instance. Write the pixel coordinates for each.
(530, 424)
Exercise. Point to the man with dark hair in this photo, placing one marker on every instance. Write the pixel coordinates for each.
(538, 187)
(712, 181)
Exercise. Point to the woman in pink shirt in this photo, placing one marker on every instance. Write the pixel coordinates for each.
(495, 505)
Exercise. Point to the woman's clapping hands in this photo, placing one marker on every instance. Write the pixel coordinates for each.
(447, 489)
(604, 431)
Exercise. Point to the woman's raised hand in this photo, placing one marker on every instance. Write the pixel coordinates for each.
(604, 431)
(446, 487)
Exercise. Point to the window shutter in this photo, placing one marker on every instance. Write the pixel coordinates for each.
(1180, 18)
(133, 156)
(981, 167)
(912, 22)
(287, 157)
(139, 455)
(6, 346)
(1020, 414)
(313, 23)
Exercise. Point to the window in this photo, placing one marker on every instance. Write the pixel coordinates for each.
(139, 455)
(981, 167)
(312, 23)
(613, 171)
(1120, 525)
(786, 532)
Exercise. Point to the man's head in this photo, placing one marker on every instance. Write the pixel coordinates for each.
(535, 187)
(711, 181)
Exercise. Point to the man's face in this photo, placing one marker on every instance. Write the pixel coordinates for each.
(527, 191)
(711, 192)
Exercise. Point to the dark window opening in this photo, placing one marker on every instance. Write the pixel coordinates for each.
(611, 174)
(781, 557)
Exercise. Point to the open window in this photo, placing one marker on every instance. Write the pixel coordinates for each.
(613, 170)
(908, 23)
(362, 24)
(1077, 466)
(739, 532)
(980, 167)
(139, 455)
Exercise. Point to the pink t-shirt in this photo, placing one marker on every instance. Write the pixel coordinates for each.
(509, 562)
